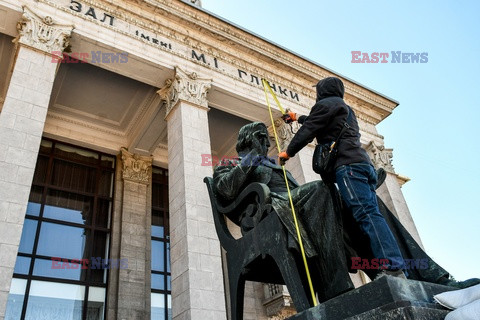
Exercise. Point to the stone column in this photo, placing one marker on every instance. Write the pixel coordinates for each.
(197, 280)
(21, 126)
(133, 297)
(390, 191)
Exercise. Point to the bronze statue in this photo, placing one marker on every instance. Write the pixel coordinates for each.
(320, 224)
(330, 236)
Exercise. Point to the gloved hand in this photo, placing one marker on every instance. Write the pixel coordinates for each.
(283, 157)
(289, 116)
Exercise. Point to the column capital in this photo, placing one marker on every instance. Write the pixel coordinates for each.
(42, 33)
(136, 168)
(381, 157)
(185, 86)
(285, 132)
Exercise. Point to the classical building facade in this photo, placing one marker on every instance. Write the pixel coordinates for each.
(108, 112)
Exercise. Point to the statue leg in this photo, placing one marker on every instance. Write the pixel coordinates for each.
(297, 287)
(324, 226)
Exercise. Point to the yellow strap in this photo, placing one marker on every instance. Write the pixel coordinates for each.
(265, 86)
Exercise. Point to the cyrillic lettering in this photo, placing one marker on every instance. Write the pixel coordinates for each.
(273, 86)
(240, 73)
(294, 95)
(216, 62)
(105, 18)
(91, 13)
(164, 44)
(199, 58)
(284, 91)
(78, 8)
(256, 79)
(145, 37)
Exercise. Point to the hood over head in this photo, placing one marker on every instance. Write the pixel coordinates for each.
(330, 87)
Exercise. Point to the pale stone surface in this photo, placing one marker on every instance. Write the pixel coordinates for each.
(197, 280)
(20, 132)
(133, 295)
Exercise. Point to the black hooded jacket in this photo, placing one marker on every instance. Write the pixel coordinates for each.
(325, 123)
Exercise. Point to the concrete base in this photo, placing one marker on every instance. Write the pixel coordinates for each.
(386, 298)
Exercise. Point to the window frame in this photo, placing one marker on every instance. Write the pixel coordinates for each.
(91, 227)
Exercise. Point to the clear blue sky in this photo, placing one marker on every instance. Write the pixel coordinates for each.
(435, 130)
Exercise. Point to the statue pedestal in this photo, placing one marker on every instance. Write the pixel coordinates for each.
(386, 298)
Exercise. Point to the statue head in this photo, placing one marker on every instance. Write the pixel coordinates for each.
(253, 136)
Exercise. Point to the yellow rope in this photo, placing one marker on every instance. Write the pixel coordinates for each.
(265, 86)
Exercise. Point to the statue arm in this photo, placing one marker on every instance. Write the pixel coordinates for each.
(229, 178)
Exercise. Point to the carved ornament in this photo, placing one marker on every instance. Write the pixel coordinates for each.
(136, 168)
(187, 87)
(380, 156)
(42, 33)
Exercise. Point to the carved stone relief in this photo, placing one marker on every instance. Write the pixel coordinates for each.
(285, 132)
(187, 87)
(380, 156)
(42, 33)
(136, 168)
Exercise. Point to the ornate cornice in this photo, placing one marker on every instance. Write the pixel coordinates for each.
(136, 168)
(42, 33)
(380, 156)
(222, 34)
(187, 87)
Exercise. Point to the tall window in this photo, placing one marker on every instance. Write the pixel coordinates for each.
(161, 276)
(59, 272)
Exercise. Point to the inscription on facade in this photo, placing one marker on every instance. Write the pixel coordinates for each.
(195, 56)
(90, 12)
